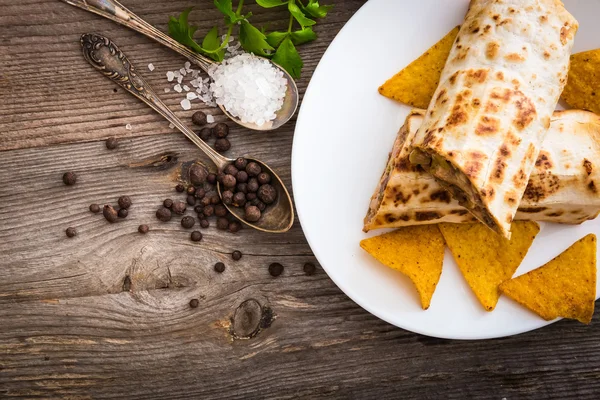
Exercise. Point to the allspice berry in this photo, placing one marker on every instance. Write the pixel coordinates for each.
(194, 303)
(110, 214)
(71, 232)
(275, 269)
(95, 208)
(179, 207)
(122, 213)
(199, 118)
(163, 214)
(221, 130)
(111, 143)
(196, 236)
(124, 202)
(69, 178)
(187, 222)
(143, 229)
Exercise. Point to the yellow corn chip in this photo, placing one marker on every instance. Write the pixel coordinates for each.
(415, 84)
(564, 287)
(487, 259)
(583, 85)
(416, 251)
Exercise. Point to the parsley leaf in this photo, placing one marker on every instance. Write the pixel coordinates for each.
(270, 3)
(212, 45)
(180, 30)
(275, 38)
(299, 15)
(287, 56)
(302, 36)
(313, 8)
(226, 8)
(253, 40)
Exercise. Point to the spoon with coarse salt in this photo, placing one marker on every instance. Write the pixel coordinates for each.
(106, 57)
(273, 107)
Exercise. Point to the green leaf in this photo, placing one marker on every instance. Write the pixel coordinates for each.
(275, 38)
(226, 8)
(302, 36)
(299, 15)
(180, 30)
(211, 45)
(253, 40)
(270, 3)
(313, 8)
(287, 56)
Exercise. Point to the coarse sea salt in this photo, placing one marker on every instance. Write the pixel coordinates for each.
(249, 87)
(185, 104)
(191, 95)
(128, 127)
(151, 67)
(170, 76)
(210, 119)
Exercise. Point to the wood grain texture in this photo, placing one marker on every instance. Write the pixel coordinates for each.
(106, 314)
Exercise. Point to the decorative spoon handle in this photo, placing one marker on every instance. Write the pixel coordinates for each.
(115, 11)
(106, 57)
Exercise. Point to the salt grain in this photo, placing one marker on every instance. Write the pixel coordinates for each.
(186, 88)
(185, 104)
(187, 66)
(167, 90)
(210, 119)
(177, 88)
(151, 67)
(128, 127)
(171, 126)
(179, 79)
(170, 76)
(191, 95)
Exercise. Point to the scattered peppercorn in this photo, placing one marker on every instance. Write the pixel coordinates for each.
(240, 163)
(236, 255)
(110, 213)
(220, 210)
(239, 199)
(309, 269)
(211, 178)
(253, 185)
(124, 202)
(214, 198)
(69, 178)
(263, 178)
(194, 303)
(178, 207)
(230, 169)
(191, 199)
(234, 226)
(267, 193)
(209, 210)
(196, 236)
(197, 174)
(190, 190)
(71, 232)
(187, 222)
(221, 130)
(275, 269)
(219, 267)
(199, 118)
(111, 143)
(204, 223)
(95, 208)
(163, 214)
(227, 197)
(204, 133)
(222, 145)
(122, 213)
(180, 188)
(200, 193)
(253, 168)
(229, 181)
(168, 203)
(252, 214)
(143, 229)
(206, 201)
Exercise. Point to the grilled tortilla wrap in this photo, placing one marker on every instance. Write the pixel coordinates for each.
(564, 186)
(487, 119)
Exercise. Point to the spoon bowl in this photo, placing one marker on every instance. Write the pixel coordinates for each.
(118, 13)
(106, 57)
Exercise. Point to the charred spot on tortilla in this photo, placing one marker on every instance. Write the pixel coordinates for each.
(401, 198)
(510, 198)
(487, 126)
(525, 112)
(566, 33)
(587, 165)
(476, 103)
(427, 215)
(489, 193)
(452, 78)
(500, 75)
(546, 55)
(543, 160)
(504, 151)
(491, 50)
(476, 76)
(555, 214)
(592, 187)
(498, 174)
(514, 57)
(541, 186)
(416, 192)
(543, 18)
(473, 168)
(496, 17)
(520, 178)
(530, 152)
(440, 195)
(509, 218)
(532, 210)
(459, 212)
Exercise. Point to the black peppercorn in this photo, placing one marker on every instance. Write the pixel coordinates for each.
(275, 269)
(263, 178)
(69, 178)
(124, 202)
(95, 208)
(252, 214)
(163, 214)
(180, 188)
(309, 268)
(220, 210)
(178, 207)
(211, 178)
(110, 213)
(229, 181)
(71, 232)
(222, 223)
(222, 145)
(267, 193)
(253, 169)
(239, 199)
(200, 193)
(190, 190)
(168, 203)
(240, 163)
(219, 267)
(187, 222)
(241, 177)
(221, 130)
(208, 211)
(143, 229)
(122, 213)
(194, 303)
(111, 143)
(236, 255)
(199, 118)
(196, 236)
(227, 197)
(234, 226)
(253, 185)
(204, 223)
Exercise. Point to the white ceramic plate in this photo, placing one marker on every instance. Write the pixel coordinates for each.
(344, 133)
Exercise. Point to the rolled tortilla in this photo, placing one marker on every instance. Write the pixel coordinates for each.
(563, 187)
(488, 117)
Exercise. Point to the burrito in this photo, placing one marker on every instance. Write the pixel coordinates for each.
(488, 117)
(563, 187)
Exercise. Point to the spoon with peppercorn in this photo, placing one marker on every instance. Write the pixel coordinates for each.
(262, 203)
(118, 13)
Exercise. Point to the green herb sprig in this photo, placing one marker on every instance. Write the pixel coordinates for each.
(280, 46)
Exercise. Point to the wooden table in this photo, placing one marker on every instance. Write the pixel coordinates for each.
(106, 314)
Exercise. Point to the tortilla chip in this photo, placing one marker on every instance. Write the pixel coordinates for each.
(564, 287)
(415, 84)
(416, 251)
(487, 259)
(583, 85)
